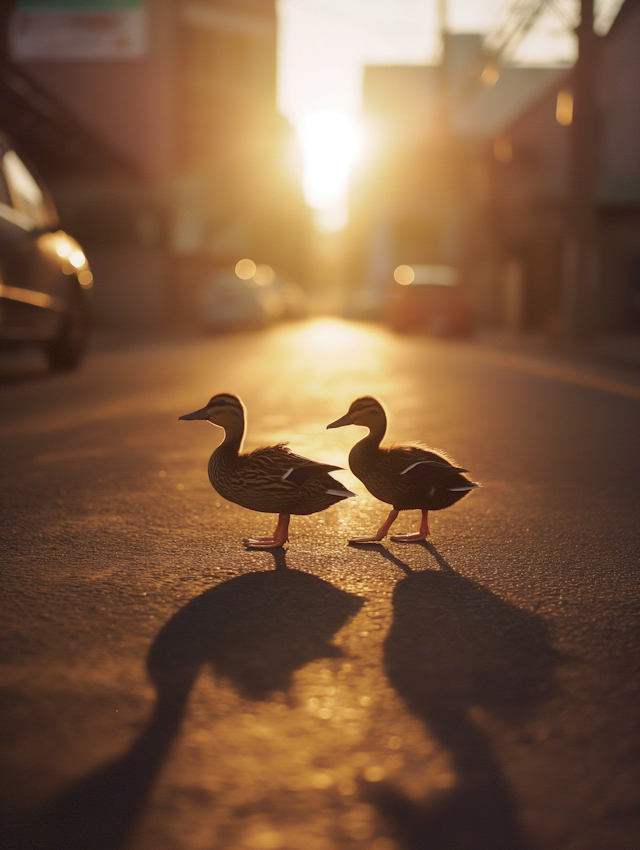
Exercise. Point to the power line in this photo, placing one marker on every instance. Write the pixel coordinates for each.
(521, 17)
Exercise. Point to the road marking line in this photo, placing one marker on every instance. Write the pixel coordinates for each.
(564, 374)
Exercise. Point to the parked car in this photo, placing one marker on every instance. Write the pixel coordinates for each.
(44, 274)
(430, 299)
(247, 296)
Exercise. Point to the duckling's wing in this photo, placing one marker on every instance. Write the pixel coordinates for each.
(415, 463)
(289, 466)
(299, 474)
(430, 468)
(302, 468)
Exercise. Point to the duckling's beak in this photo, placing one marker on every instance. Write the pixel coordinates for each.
(344, 420)
(197, 414)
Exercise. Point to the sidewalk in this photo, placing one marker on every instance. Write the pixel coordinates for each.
(620, 351)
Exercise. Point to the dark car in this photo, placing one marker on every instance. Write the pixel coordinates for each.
(430, 299)
(44, 274)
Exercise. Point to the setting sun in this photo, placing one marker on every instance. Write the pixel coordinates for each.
(330, 143)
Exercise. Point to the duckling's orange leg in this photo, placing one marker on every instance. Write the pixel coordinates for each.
(381, 532)
(280, 535)
(423, 534)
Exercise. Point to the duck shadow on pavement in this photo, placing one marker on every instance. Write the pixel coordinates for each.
(454, 648)
(255, 630)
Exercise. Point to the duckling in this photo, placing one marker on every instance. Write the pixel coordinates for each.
(407, 477)
(271, 480)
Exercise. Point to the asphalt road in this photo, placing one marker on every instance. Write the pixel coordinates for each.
(165, 689)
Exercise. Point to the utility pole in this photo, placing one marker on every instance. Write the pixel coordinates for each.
(580, 285)
(6, 11)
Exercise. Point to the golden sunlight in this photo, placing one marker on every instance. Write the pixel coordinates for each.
(331, 335)
(331, 142)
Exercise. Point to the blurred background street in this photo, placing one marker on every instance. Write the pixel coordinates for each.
(300, 203)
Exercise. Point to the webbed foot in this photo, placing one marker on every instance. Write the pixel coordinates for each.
(381, 533)
(375, 539)
(279, 537)
(423, 534)
(265, 542)
(410, 538)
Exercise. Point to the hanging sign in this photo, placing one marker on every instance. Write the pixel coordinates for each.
(78, 29)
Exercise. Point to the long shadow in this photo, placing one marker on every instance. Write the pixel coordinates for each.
(255, 631)
(455, 646)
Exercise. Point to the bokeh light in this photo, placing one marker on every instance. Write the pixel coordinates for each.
(564, 107)
(264, 275)
(63, 247)
(404, 275)
(245, 269)
(490, 74)
(77, 259)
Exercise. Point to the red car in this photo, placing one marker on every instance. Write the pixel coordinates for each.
(429, 299)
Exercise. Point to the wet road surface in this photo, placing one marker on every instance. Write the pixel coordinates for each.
(165, 688)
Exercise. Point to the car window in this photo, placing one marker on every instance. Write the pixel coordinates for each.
(26, 195)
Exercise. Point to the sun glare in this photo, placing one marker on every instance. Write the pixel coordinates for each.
(330, 143)
(328, 334)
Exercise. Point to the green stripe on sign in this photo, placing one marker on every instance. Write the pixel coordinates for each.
(77, 5)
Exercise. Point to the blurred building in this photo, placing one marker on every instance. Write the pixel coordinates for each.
(526, 172)
(469, 167)
(182, 165)
(413, 199)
